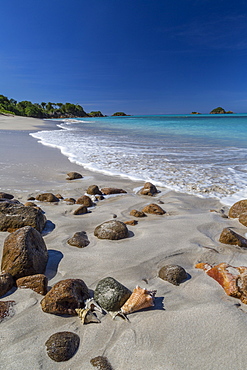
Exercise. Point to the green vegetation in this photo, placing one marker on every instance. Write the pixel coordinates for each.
(218, 110)
(119, 114)
(43, 110)
(96, 114)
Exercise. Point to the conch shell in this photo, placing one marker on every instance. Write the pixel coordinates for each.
(86, 314)
(139, 299)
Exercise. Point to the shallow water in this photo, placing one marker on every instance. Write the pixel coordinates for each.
(199, 154)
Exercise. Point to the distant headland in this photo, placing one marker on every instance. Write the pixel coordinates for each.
(218, 110)
(46, 110)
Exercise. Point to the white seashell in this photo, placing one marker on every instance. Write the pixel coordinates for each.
(92, 305)
(86, 315)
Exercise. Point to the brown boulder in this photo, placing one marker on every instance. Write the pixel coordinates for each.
(65, 296)
(73, 176)
(243, 218)
(70, 200)
(15, 216)
(24, 253)
(62, 346)
(238, 208)
(79, 240)
(174, 274)
(6, 195)
(47, 197)
(154, 209)
(229, 236)
(85, 200)
(38, 283)
(81, 210)
(113, 230)
(93, 190)
(108, 191)
(6, 283)
(59, 196)
(148, 189)
(136, 213)
(131, 222)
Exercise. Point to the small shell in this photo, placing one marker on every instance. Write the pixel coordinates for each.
(92, 305)
(86, 315)
(139, 299)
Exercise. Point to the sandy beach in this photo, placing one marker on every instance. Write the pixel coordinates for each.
(192, 326)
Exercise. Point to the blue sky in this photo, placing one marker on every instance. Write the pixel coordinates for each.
(136, 56)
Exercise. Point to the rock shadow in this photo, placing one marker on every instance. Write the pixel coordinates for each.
(49, 227)
(54, 257)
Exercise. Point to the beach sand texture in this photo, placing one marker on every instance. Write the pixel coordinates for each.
(192, 326)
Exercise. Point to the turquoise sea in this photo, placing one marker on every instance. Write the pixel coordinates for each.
(204, 155)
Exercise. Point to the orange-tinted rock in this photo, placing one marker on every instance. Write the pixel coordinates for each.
(81, 210)
(243, 218)
(24, 253)
(227, 279)
(154, 209)
(238, 208)
(149, 189)
(136, 213)
(131, 222)
(6, 283)
(38, 283)
(65, 296)
(85, 200)
(47, 197)
(229, 236)
(108, 191)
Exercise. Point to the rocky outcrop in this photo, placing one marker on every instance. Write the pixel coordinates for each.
(109, 191)
(65, 296)
(94, 190)
(15, 216)
(153, 209)
(148, 189)
(110, 294)
(38, 283)
(47, 197)
(81, 210)
(62, 346)
(85, 200)
(174, 274)
(79, 240)
(113, 230)
(6, 283)
(136, 213)
(229, 236)
(74, 176)
(24, 253)
(238, 208)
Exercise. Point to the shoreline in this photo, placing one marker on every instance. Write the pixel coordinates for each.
(195, 322)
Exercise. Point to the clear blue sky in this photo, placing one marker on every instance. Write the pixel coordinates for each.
(136, 56)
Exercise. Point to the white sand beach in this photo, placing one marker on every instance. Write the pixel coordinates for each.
(192, 326)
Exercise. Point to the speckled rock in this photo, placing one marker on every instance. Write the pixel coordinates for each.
(6, 283)
(153, 209)
(80, 211)
(93, 190)
(6, 309)
(136, 213)
(62, 346)
(101, 363)
(24, 253)
(65, 296)
(85, 200)
(113, 230)
(238, 208)
(229, 236)
(47, 197)
(79, 240)
(174, 274)
(243, 218)
(109, 191)
(15, 216)
(148, 189)
(38, 283)
(110, 294)
(73, 176)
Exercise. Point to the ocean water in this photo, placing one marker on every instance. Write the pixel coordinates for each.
(204, 155)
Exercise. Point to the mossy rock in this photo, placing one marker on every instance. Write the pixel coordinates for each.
(110, 294)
